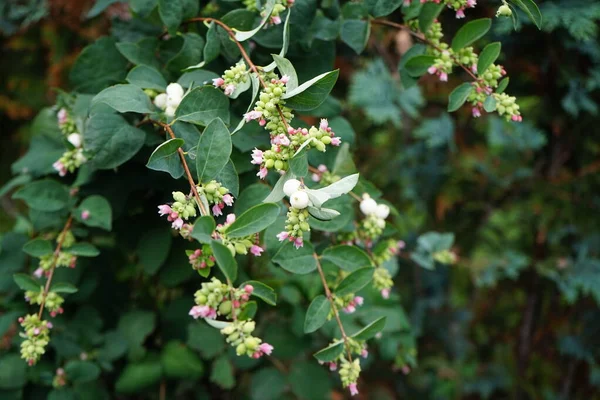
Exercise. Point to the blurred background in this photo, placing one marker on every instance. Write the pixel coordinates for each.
(517, 316)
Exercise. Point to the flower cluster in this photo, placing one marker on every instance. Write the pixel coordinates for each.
(53, 301)
(507, 106)
(349, 370)
(239, 335)
(201, 260)
(217, 195)
(64, 258)
(237, 245)
(231, 78)
(275, 18)
(37, 335)
(348, 303)
(169, 101)
(181, 209)
(457, 5)
(216, 298)
(74, 157)
(324, 176)
(297, 216)
(270, 110)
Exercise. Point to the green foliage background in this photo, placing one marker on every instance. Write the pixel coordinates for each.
(516, 317)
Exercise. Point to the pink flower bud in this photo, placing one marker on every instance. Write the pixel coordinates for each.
(262, 173)
(336, 141)
(332, 366)
(85, 214)
(353, 389)
(217, 210)
(164, 209)
(218, 82)
(256, 250)
(282, 236)
(266, 348)
(248, 289)
(177, 223)
(298, 242)
(322, 168)
(432, 70)
(284, 79)
(460, 13)
(385, 293)
(324, 124)
(230, 219)
(444, 77)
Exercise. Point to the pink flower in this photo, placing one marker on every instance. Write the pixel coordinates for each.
(324, 124)
(257, 156)
(256, 250)
(316, 177)
(353, 389)
(444, 77)
(217, 210)
(49, 325)
(322, 168)
(284, 79)
(276, 20)
(474, 68)
(262, 122)
(262, 173)
(358, 300)
(298, 242)
(249, 289)
(228, 199)
(164, 209)
(85, 214)
(517, 118)
(283, 236)
(177, 224)
(229, 89)
(252, 115)
(62, 116)
(336, 141)
(471, 3)
(266, 348)
(364, 353)
(349, 309)
(332, 366)
(230, 219)
(281, 139)
(38, 273)
(400, 245)
(60, 167)
(460, 13)
(385, 293)
(218, 82)
(432, 70)
(476, 112)
(203, 312)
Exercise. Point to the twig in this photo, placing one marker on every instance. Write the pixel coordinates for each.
(167, 128)
(61, 240)
(333, 306)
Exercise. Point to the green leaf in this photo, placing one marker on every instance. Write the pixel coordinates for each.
(299, 164)
(125, 98)
(381, 8)
(459, 96)
(171, 14)
(489, 104)
(138, 376)
(141, 52)
(99, 65)
(198, 77)
(38, 247)
(418, 65)
(331, 352)
(13, 372)
(532, 11)
(254, 220)
(26, 282)
(143, 7)
(470, 32)
(267, 384)
(63, 287)
(348, 258)
(100, 212)
(312, 93)
(214, 150)
(355, 33)
(213, 43)
(225, 260)
(83, 249)
(82, 371)
(179, 361)
(308, 380)
(298, 261)
(241, 36)
(146, 77)
(166, 158)
(262, 291)
(207, 340)
(408, 81)
(370, 330)
(355, 281)
(248, 311)
(323, 214)
(229, 178)
(317, 313)
(45, 195)
(285, 67)
(153, 249)
(202, 105)
(112, 140)
(99, 7)
(488, 55)
(429, 12)
(222, 373)
(136, 326)
(502, 85)
(277, 192)
(203, 229)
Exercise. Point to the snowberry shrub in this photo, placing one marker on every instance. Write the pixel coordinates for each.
(249, 173)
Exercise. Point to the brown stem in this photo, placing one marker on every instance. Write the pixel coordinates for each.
(333, 306)
(188, 174)
(61, 240)
(422, 38)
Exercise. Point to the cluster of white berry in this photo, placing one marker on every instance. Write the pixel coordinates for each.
(169, 101)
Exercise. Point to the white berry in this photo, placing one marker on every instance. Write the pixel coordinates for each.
(75, 139)
(382, 211)
(175, 90)
(170, 111)
(291, 186)
(160, 101)
(368, 206)
(299, 200)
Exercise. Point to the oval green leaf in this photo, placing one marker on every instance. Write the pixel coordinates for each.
(330, 353)
(470, 32)
(370, 330)
(214, 150)
(225, 260)
(203, 229)
(317, 313)
(488, 55)
(348, 258)
(254, 220)
(459, 96)
(298, 261)
(355, 281)
(166, 158)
